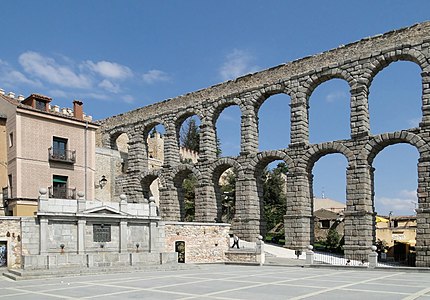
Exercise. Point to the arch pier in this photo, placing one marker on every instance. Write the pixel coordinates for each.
(357, 64)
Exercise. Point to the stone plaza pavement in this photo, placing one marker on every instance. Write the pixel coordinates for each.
(228, 282)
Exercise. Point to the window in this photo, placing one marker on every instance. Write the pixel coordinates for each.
(325, 224)
(40, 105)
(59, 152)
(11, 139)
(59, 187)
(59, 147)
(10, 181)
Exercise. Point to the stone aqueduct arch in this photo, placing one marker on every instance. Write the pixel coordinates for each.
(356, 63)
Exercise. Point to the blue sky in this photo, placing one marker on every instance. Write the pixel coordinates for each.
(121, 55)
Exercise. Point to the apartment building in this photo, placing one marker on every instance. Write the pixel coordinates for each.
(44, 147)
(3, 158)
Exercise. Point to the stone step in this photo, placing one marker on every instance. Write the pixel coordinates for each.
(19, 274)
(284, 261)
(268, 254)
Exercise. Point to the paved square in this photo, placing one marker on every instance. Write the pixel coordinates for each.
(228, 282)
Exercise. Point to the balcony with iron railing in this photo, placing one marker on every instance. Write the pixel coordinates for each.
(62, 193)
(5, 192)
(60, 155)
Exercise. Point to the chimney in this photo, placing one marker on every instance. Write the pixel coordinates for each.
(78, 110)
(21, 98)
(1, 91)
(11, 95)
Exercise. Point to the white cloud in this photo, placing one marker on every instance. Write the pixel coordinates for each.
(62, 76)
(48, 69)
(238, 62)
(411, 195)
(109, 69)
(153, 76)
(403, 204)
(336, 95)
(109, 86)
(228, 118)
(13, 77)
(95, 95)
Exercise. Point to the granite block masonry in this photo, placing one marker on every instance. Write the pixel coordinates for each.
(357, 64)
(69, 233)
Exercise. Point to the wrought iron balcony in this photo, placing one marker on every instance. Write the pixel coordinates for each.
(67, 156)
(62, 193)
(5, 193)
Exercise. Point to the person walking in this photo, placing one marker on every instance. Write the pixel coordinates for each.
(235, 241)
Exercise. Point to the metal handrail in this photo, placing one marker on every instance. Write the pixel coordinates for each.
(62, 193)
(62, 155)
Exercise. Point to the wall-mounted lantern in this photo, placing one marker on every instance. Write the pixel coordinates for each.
(102, 181)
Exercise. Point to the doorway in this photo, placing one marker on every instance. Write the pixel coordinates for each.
(180, 248)
(3, 254)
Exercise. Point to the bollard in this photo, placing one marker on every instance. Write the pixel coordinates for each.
(373, 257)
(261, 255)
(310, 255)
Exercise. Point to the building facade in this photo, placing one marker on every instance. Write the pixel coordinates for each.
(396, 236)
(45, 147)
(3, 159)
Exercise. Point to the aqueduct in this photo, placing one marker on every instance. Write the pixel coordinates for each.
(357, 64)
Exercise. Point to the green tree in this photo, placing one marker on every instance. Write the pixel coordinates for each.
(189, 186)
(333, 240)
(189, 138)
(218, 147)
(190, 135)
(228, 194)
(274, 198)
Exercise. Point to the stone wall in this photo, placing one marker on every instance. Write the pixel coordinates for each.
(242, 256)
(204, 242)
(10, 232)
(100, 259)
(357, 64)
(108, 164)
(30, 236)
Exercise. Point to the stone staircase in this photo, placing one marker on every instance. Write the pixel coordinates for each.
(277, 255)
(20, 274)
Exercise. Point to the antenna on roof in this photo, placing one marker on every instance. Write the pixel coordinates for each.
(323, 194)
